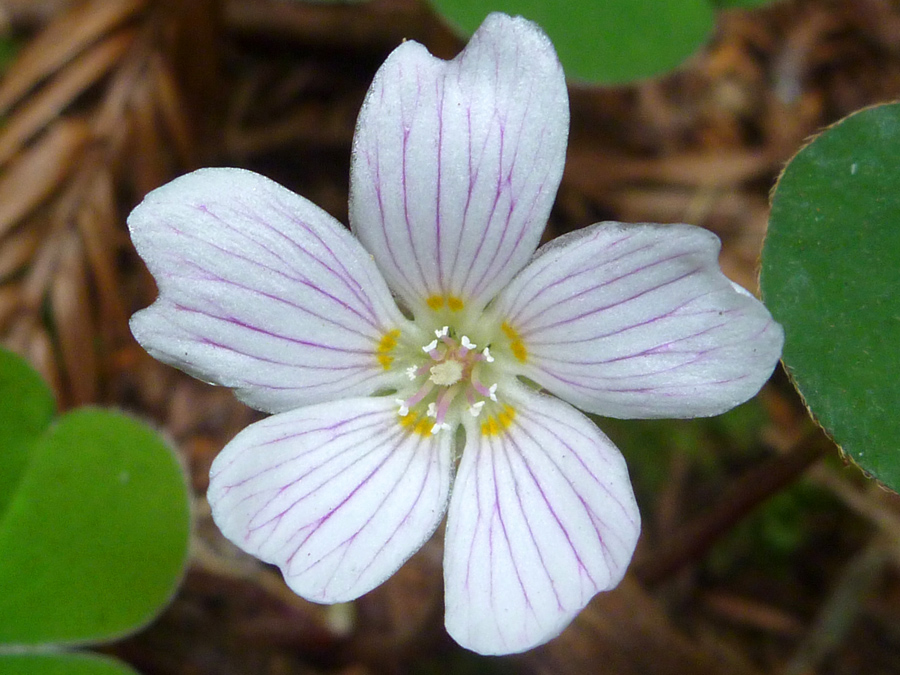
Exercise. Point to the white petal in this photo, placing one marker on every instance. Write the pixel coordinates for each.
(456, 164)
(338, 495)
(260, 290)
(639, 321)
(541, 518)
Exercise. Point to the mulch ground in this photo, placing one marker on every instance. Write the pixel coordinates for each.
(763, 551)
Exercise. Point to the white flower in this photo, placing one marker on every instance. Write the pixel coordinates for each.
(379, 409)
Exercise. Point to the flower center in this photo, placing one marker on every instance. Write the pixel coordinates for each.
(448, 379)
(447, 372)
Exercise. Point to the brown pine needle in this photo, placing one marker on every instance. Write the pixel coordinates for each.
(96, 224)
(38, 349)
(40, 273)
(42, 108)
(60, 42)
(10, 302)
(40, 170)
(28, 339)
(594, 171)
(150, 163)
(171, 108)
(16, 251)
(71, 306)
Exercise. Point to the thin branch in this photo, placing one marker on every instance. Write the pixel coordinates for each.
(693, 539)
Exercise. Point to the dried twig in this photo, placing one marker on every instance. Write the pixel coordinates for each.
(743, 495)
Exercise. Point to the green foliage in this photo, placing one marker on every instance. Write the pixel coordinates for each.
(62, 664)
(26, 409)
(609, 42)
(746, 4)
(94, 537)
(9, 48)
(830, 275)
(94, 525)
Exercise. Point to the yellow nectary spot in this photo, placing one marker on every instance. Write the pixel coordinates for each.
(437, 301)
(515, 342)
(416, 424)
(519, 351)
(386, 346)
(494, 424)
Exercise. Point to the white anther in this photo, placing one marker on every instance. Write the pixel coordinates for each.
(465, 343)
(443, 332)
(437, 427)
(475, 408)
(432, 410)
(486, 353)
(492, 392)
(403, 411)
(411, 372)
(430, 347)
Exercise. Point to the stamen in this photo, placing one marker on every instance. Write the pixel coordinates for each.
(451, 372)
(404, 410)
(443, 402)
(487, 392)
(424, 390)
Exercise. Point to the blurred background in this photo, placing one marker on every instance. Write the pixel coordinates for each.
(763, 551)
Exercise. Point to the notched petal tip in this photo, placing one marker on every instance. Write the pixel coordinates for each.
(542, 517)
(260, 290)
(639, 321)
(456, 164)
(337, 495)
